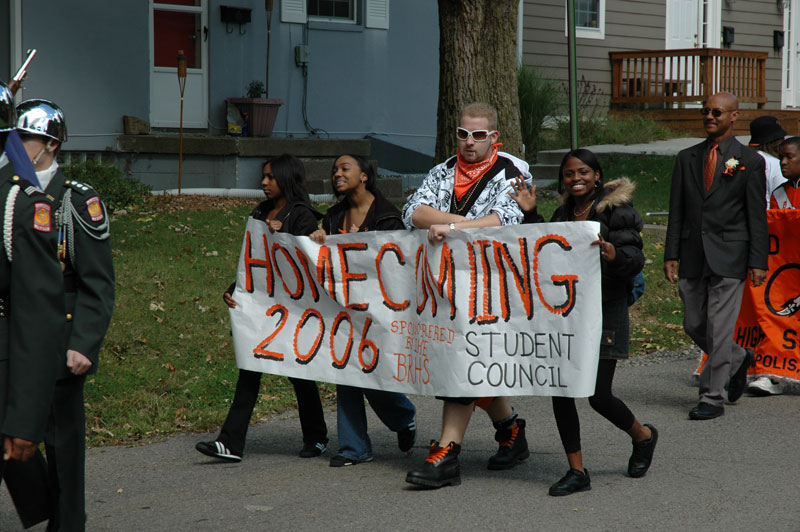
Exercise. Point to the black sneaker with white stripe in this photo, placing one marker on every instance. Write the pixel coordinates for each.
(217, 449)
(407, 436)
(341, 460)
(312, 449)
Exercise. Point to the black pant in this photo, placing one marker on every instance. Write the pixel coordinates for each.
(312, 420)
(65, 444)
(603, 402)
(27, 485)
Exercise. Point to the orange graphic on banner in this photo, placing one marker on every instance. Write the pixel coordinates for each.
(769, 318)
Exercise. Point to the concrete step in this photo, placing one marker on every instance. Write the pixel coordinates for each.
(550, 156)
(390, 187)
(544, 172)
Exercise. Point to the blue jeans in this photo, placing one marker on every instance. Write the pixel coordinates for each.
(394, 410)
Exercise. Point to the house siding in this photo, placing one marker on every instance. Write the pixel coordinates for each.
(639, 25)
(629, 25)
(94, 61)
(359, 80)
(753, 22)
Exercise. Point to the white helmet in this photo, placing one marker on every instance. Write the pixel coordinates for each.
(41, 117)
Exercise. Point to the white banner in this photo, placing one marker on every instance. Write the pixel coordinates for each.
(512, 310)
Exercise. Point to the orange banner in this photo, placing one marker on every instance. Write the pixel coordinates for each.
(769, 319)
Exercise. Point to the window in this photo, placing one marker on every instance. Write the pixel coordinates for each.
(332, 10)
(587, 13)
(590, 18)
(177, 25)
(348, 13)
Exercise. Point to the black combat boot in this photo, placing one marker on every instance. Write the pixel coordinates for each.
(513, 445)
(440, 468)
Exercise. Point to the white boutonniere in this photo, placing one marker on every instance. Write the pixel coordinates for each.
(731, 165)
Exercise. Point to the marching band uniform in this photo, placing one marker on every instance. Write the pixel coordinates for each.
(31, 308)
(84, 250)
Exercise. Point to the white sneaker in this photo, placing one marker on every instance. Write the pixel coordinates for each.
(765, 386)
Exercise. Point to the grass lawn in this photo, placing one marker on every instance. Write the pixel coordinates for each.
(167, 364)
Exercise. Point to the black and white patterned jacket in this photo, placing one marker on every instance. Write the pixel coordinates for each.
(437, 190)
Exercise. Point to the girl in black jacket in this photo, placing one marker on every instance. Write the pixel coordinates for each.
(287, 209)
(363, 208)
(586, 197)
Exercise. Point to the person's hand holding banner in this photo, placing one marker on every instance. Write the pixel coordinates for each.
(512, 310)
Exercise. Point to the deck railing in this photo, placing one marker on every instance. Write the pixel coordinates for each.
(690, 75)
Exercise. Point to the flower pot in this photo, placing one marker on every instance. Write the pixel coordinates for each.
(259, 113)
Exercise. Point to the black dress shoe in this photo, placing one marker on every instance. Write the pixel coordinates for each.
(705, 410)
(573, 482)
(738, 381)
(642, 454)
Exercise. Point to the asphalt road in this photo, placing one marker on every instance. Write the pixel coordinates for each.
(735, 473)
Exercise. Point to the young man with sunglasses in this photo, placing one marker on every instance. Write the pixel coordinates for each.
(470, 189)
(717, 237)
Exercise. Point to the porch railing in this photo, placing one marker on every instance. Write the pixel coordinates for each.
(690, 75)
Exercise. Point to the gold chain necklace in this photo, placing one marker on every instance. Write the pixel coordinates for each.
(459, 205)
(577, 214)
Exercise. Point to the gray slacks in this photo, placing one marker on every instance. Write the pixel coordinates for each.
(710, 308)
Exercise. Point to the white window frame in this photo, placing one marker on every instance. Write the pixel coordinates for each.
(197, 77)
(338, 20)
(590, 33)
(789, 76)
(376, 14)
(711, 20)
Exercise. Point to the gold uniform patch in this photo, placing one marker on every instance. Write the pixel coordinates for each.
(41, 217)
(94, 208)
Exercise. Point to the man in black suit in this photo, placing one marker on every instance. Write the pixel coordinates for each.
(717, 233)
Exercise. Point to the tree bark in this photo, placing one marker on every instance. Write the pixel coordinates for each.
(477, 63)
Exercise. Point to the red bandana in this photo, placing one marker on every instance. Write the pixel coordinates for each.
(467, 174)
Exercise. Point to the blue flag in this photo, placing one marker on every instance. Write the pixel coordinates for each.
(16, 153)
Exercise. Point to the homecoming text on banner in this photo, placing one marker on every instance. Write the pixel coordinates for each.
(512, 310)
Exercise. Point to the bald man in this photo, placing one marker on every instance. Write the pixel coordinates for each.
(716, 237)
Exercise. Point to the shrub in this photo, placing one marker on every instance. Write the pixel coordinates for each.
(595, 126)
(255, 89)
(117, 189)
(538, 99)
(611, 130)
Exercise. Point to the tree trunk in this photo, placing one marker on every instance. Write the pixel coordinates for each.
(477, 63)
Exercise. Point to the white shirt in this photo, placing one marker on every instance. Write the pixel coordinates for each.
(45, 176)
(774, 175)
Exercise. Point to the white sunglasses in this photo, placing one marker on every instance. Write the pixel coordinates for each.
(478, 135)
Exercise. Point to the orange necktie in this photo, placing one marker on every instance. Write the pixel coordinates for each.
(710, 166)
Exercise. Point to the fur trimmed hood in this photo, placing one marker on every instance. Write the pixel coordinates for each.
(615, 194)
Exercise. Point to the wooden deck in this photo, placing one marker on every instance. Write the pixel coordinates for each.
(673, 78)
(689, 120)
(668, 86)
